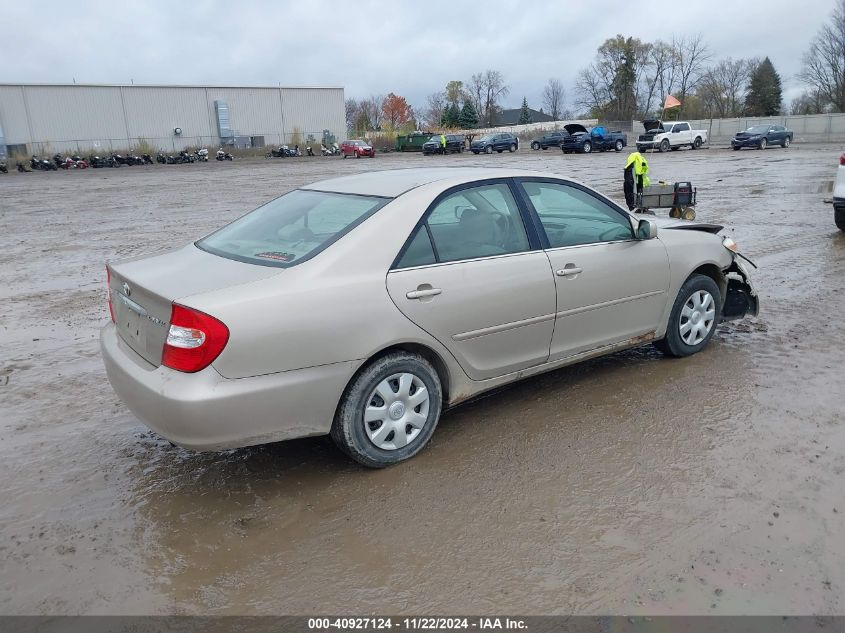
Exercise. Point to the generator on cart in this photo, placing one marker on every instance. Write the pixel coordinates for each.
(679, 198)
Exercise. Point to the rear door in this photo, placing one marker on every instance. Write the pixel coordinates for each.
(471, 277)
(610, 286)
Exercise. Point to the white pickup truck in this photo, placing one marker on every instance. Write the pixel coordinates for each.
(669, 135)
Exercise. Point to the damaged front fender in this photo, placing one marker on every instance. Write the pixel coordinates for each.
(740, 296)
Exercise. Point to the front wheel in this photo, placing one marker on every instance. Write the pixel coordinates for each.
(357, 155)
(489, 149)
(535, 145)
(587, 147)
(786, 142)
(664, 145)
(389, 411)
(618, 146)
(694, 317)
(763, 143)
(839, 217)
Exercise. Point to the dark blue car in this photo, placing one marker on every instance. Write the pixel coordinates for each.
(761, 136)
(498, 142)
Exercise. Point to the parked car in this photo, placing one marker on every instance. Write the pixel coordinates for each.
(454, 144)
(761, 136)
(357, 148)
(839, 195)
(498, 142)
(265, 329)
(580, 139)
(549, 139)
(673, 135)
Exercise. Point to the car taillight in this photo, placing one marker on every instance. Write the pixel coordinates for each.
(108, 288)
(842, 159)
(195, 339)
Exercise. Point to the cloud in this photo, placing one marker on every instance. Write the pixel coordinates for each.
(369, 47)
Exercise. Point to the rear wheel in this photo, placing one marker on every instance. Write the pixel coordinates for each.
(694, 317)
(389, 411)
(618, 146)
(696, 143)
(587, 147)
(535, 145)
(512, 148)
(839, 217)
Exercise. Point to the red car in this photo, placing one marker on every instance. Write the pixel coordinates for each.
(357, 149)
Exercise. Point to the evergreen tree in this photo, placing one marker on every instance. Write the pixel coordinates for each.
(764, 91)
(524, 114)
(469, 117)
(450, 116)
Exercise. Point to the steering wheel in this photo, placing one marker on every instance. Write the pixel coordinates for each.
(503, 224)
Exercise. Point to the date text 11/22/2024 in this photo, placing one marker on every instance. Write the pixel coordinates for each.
(415, 624)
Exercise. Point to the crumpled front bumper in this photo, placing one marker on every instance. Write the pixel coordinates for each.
(740, 297)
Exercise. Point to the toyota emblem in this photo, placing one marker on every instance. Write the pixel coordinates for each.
(126, 289)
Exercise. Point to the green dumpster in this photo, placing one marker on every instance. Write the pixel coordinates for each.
(412, 142)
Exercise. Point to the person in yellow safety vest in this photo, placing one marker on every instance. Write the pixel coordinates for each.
(443, 143)
(636, 173)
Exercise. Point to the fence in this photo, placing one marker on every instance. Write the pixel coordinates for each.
(166, 144)
(819, 128)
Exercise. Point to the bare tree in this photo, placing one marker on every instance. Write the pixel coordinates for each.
(494, 87)
(351, 113)
(691, 55)
(432, 114)
(369, 114)
(824, 62)
(475, 93)
(724, 86)
(554, 98)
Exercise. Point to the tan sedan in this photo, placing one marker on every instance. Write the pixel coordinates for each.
(363, 306)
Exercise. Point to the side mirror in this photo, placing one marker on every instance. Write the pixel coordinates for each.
(646, 230)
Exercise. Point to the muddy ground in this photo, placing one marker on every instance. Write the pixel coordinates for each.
(630, 484)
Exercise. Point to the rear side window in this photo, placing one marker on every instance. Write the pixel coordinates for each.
(292, 228)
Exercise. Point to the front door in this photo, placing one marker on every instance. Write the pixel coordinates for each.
(611, 287)
(469, 277)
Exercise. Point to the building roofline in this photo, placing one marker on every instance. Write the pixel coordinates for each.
(133, 85)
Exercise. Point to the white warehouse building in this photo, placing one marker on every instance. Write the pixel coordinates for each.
(45, 119)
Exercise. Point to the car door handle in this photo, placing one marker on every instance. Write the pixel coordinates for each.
(422, 293)
(569, 270)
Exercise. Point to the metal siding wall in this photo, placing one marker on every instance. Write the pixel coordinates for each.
(313, 110)
(252, 111)
(61, 114)
(83, 118)
(13, 115)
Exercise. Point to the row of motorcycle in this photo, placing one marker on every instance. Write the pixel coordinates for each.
(59, 161)
(285, 151)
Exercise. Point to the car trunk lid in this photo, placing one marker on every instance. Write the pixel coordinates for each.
(143, 290)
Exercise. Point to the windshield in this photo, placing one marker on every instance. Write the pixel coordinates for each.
(292, 228)
(435, 138)
(758, 129)
(486, 137)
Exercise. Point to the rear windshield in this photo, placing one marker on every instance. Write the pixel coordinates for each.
(292, 228)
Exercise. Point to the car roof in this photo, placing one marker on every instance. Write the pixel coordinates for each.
(394, 182)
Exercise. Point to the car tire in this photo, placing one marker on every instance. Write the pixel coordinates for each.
(736, 148)
(512, 148)
(763, 143)
(535, 146)
(785, 143)
(696, 143)
(357, 155)
(343, 155)
(391, 374)
(618, 146)
(839, 217)
(587, 147)
(475, 152)
(488, 149)
(664, 145)
(694, 317)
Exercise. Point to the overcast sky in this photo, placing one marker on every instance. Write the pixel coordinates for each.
(408, 47)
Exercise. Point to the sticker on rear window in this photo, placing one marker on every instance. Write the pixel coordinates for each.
(278, 256)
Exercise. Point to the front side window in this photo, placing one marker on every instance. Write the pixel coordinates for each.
(292, 228)
(570, 216)
(477, 222)
(682, 127)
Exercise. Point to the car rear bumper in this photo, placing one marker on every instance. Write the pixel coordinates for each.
(204, 411)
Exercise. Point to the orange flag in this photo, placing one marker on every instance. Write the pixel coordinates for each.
(671, 102)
